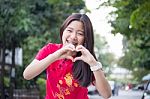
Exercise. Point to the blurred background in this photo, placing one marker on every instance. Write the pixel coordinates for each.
(122, 43)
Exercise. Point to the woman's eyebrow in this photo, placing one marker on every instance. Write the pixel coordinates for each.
(73, 29)
(70, 28)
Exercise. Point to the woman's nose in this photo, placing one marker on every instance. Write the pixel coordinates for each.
(74, 35)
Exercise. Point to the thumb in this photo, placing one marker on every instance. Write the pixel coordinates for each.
(77, 58)
(70, 57)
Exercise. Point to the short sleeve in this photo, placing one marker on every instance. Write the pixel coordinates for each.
(46, 50)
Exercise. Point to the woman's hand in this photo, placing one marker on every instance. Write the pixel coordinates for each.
(86, 55)
(67, 51)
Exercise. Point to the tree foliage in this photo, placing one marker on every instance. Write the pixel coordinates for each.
(30, 24)
(48, 16)
(14, 22)
(132, 20)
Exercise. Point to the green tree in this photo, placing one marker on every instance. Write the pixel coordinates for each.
(31, 24)
(14, 23)
(132, 20)
(48, 16)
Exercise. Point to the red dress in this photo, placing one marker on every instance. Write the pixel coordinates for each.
(60, 83)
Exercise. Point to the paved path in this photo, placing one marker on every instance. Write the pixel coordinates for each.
(122, 95)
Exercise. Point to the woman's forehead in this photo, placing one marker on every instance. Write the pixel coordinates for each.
(76, 25)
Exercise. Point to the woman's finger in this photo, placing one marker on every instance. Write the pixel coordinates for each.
(70, 57)
(77, 58)
(71, 46)
(79, 47)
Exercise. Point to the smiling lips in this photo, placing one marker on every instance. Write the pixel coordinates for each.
(74, 43)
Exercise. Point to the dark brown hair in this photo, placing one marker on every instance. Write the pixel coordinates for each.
(81, 70)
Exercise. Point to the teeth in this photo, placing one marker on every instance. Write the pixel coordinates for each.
(72, 43)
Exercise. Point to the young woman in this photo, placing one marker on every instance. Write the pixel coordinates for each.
(70, 66)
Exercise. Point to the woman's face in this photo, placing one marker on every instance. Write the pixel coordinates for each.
(74, 34)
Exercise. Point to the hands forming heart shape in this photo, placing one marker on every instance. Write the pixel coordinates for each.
(75, 53)
(69, 51)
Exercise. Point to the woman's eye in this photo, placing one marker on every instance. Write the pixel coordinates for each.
(69, 30)
(80, 34)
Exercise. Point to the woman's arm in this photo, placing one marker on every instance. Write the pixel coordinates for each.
(38, 66)
(101, 83)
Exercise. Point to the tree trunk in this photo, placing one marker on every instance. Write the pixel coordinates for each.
(12, 73)
(2, 89)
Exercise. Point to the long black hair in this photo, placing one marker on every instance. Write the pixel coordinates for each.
(81, 70)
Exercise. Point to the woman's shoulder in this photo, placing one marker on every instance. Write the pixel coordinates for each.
(53, 46)
(47, 49)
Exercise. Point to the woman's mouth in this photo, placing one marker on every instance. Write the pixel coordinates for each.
(74, 43)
